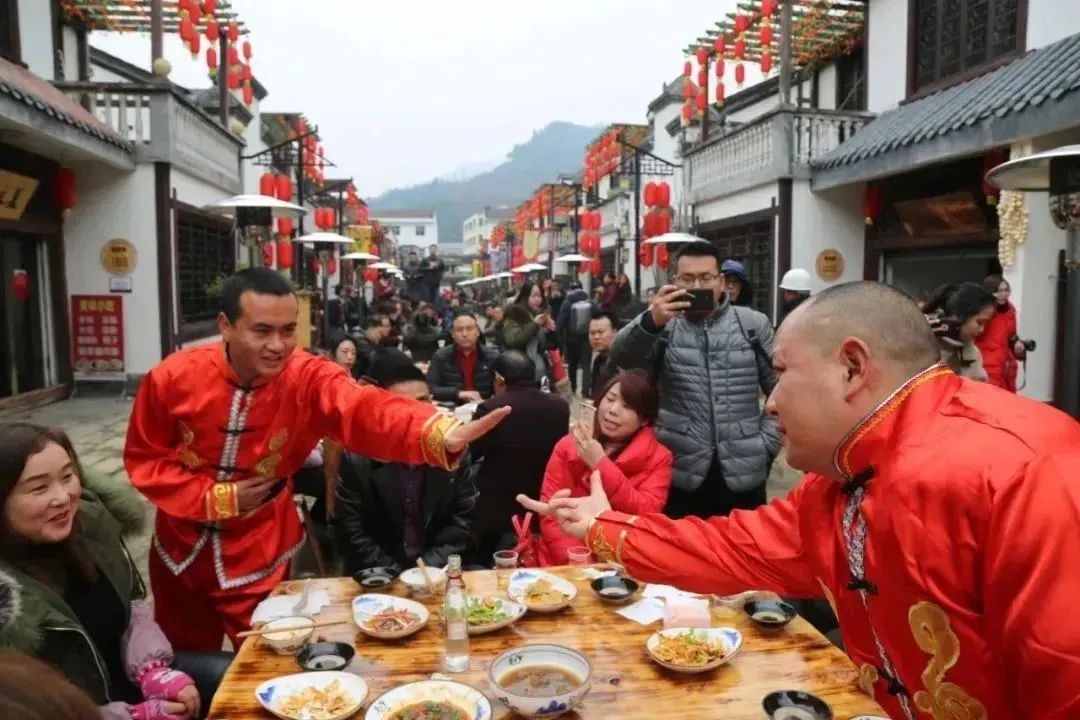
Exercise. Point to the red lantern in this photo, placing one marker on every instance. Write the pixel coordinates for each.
(703, 77)
(645, 256)
(766, 63)
(284, 188)
(234, 80)
(268, 254)
(721, 46)
(194, 44)
(872, 203)
(720, 93)
(663, 224)
(740, 74)
(64, 192)
(765, 34)
(719, 67)
(702, 55)
(212, 31)
(687, 69)
(662, 257)
(740, 49)
(688, 90)
(249, 95)
(234, 57)
(767, 8)
(211, 59)
(991, 161)
(596, 266)
(284, 226)
(234, 32)
(687, 111)
(331, 218)
(247, 50)
(702, 101)
(316, 265)
(209, 6)
(267, 184)
(741, 23)
(331, 266)
(20, 285)
(663, 195)
(284, 250)
(245, 72)
(650, 194)
(187, 30)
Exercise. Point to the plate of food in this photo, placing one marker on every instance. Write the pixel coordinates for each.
(431, 700)
(489, 613)
(388, 617)
(313, 695)
(540, 591)
(694, 650)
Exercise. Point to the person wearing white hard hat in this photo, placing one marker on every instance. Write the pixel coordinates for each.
(795, 287)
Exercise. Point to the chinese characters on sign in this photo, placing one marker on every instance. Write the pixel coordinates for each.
(98, 334)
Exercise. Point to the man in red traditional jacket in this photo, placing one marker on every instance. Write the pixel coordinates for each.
(214, 439)
(939, 517)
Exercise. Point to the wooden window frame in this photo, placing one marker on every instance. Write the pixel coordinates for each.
(205, 327)
(914, 93)
(14, 41)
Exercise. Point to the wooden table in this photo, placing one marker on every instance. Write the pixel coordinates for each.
(626, 684)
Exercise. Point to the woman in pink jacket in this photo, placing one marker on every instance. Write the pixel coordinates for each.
(632, 465)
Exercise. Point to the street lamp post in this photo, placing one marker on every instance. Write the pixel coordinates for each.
(1057, 171)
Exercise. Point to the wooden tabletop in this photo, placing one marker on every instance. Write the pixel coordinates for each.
(626, 684)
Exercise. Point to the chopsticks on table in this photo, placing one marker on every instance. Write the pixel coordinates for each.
(427, 578)
(291, 628)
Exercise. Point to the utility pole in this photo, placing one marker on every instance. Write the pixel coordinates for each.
(157, 41)
(785, 52)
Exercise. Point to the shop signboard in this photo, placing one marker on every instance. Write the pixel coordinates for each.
(97, 331)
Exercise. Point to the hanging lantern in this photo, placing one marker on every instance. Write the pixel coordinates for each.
(234, 57)
(645, 256)
(284, 226)
(720, 93)
(765, 35)
(766, 63)
(702, 77)
(687, 112)
(20, 285)
(741, 23)
(740, 74)
(663, 195)
(64, 191)
(234, 32)
(316, 265)
(195, 44)
(688, 90)
(245, 72)
(247, 50)
(331, 265)
(187, 30)
(687, 69)
(284, 250)
(284, 188)
(740, 49)
(702, 55)
(234, 80)
(720, 46)
(719, 67)
(663, 224)
(650, 194)
(990, 161)
(331, 218)
(872, 203)
(596, 266)
(662, 257)
(211, 59)
(768, 7)
(249, 94)
(702, 102)
(268, 254)
(212, 31)
(209, 6)
(267, 184)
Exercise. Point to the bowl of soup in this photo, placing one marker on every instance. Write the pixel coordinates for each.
(541, 680)
(795, 705)
(430, 700)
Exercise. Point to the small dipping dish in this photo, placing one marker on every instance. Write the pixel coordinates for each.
(296, 630)
(795, 705)
(375, 577)
(614, 588)
(324, 656)
(770, 614)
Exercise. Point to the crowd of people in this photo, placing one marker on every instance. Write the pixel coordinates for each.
(694, 392)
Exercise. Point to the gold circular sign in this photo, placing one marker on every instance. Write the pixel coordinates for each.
(829, 265)
(118, 257)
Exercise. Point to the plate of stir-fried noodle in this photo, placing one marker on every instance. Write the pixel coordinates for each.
(313, 695)
(688, 650)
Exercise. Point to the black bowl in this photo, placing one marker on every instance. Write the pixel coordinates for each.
(614, 588)
(812, 707)
(770, 613)
(375, 577)
(325, 656)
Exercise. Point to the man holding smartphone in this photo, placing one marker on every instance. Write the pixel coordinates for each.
(710, 360)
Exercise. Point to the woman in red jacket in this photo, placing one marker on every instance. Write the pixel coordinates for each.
(998, 343)
(632, 465)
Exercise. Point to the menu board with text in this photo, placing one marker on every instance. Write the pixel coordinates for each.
(97, 335)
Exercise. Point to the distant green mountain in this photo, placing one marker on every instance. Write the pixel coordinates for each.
(557, 148)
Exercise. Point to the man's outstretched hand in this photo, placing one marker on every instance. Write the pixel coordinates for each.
(460, 437)
(574, 515)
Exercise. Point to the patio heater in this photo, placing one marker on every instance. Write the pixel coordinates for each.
(1058, 172)
(324, 244)
(361, 259)
(253, 216)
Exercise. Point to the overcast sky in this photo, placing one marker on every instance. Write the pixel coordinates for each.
(407, 90)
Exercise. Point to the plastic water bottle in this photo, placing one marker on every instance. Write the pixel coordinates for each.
(457, 626)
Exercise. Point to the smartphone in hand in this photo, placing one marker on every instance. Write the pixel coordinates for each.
(587, 417)
(701, 300)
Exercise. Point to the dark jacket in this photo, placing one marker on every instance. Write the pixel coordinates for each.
(365, 349)
(445, 377)
(515, 453)
(369, 517)
(603, 369)
(563, 321)
(422, 340)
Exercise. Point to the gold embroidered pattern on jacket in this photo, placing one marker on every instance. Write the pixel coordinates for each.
(222, 502)
(868, 677)
(934, 635)
(184, 454)
(278, 441)
(828, 596)
(434, 433)
(599, 544)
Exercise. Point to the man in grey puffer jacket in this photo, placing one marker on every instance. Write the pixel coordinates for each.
(709, 367)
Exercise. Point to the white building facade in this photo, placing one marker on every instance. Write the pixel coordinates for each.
(414, 230)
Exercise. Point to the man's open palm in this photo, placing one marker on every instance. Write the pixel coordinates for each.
(461, 436)
(574, 515)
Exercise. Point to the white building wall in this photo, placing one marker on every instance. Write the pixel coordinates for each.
(71, 54)
(751, 200)
(1051, 20)
(823, 221)
(35, 36)
(827, 78)
(115, 204)
(194, 191)
(254, 144)
(888, 39)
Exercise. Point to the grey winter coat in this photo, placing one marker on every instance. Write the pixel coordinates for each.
(709, 381)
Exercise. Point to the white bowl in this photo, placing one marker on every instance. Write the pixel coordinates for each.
(728, 638)
(514, 612)
(272, 693)
(366, 606)
(467, 699)
(414, 581)
(288, 642)
(520, 580)
(541, 655)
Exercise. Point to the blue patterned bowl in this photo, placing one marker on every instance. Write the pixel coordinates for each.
(464, 697)
(541, 655)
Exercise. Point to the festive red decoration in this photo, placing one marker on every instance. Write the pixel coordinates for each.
(371, 275)
(740, 49)
(212, 31)
(187, 30)
(662, 257)
(331, 266)
(766, 63)
(740, 74)
(284, 250)
(663, 224)
(234, 57)
(990, 161)
(247, 50)
(687, 111)
(268, 254)
(211, 59)
(234, 80)
(702, 102)
(209, 6)
(720, 46)
(64, 193)
(872, 203)
(234, 32)
(316, 265)
(765, 35)
(596, 266)
(687, 69)
(284, 188)
(703, 77)
(741, 23)
(663, 195)
(768, 7)
(249, 94)
(720, 93)
(650, 194)
(267, 184)
(719, 68)
(194, 44)
(645, 256)
(245, 72)
(284, 226)
(688, 90)
(702, 55)
(20, 285)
